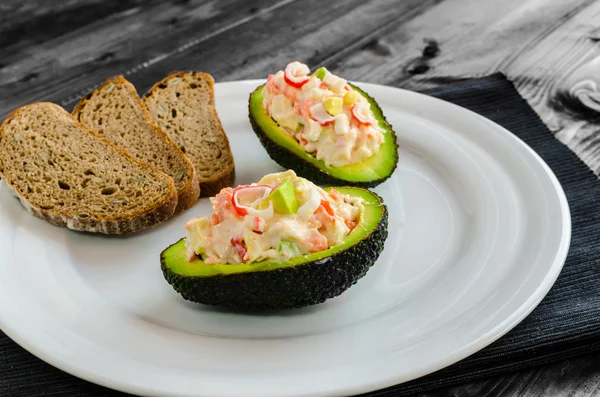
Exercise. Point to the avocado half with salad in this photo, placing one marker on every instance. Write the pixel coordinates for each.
(323, 127)
(280, 243)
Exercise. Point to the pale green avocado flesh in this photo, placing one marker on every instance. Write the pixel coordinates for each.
(284, 198)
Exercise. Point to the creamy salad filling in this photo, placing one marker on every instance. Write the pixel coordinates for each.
(324, 114)
(280, 217)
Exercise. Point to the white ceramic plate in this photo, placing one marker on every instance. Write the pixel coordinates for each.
(479, 229)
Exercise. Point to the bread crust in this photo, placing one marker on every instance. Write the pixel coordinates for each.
(161, 212)
(213, 185)
(189, 194)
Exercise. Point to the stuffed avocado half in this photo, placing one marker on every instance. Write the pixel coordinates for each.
(323, 128)
(282, 243)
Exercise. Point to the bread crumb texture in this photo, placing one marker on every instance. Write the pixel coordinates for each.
(115, 111)
(57, 165)
(183, 105)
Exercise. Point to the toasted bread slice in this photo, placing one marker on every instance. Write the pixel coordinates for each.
(116, 112)
(70, 176)
(183, 105)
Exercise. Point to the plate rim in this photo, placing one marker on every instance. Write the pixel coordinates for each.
(466, 350)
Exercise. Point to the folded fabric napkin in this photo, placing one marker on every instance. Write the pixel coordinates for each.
(566, 323)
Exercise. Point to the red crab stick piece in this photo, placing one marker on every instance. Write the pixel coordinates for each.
(245, 195)
(296, 74)
(361, 112)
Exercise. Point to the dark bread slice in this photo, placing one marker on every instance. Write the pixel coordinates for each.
(65, 173)
(116, 112)
(183, 105)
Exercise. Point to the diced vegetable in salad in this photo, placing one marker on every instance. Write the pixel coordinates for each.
(280, 217)
(324, 114)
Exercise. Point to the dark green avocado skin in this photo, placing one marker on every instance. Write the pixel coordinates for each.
(302, 285)
(289, 160)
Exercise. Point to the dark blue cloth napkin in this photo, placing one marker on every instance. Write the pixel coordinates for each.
(566, 323)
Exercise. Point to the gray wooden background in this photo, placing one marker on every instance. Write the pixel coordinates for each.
(59, 50)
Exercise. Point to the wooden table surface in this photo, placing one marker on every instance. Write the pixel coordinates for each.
(57, 51)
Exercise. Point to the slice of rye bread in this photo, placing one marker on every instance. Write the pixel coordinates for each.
(183, 105)
(116, 112)
(65, 173)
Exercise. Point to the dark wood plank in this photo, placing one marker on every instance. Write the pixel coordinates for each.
(24, 24)
(311, 31)
(454, 40)
(565, 94)
(579, 377)
(549, 49)
(68, 64)
(251, 43)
